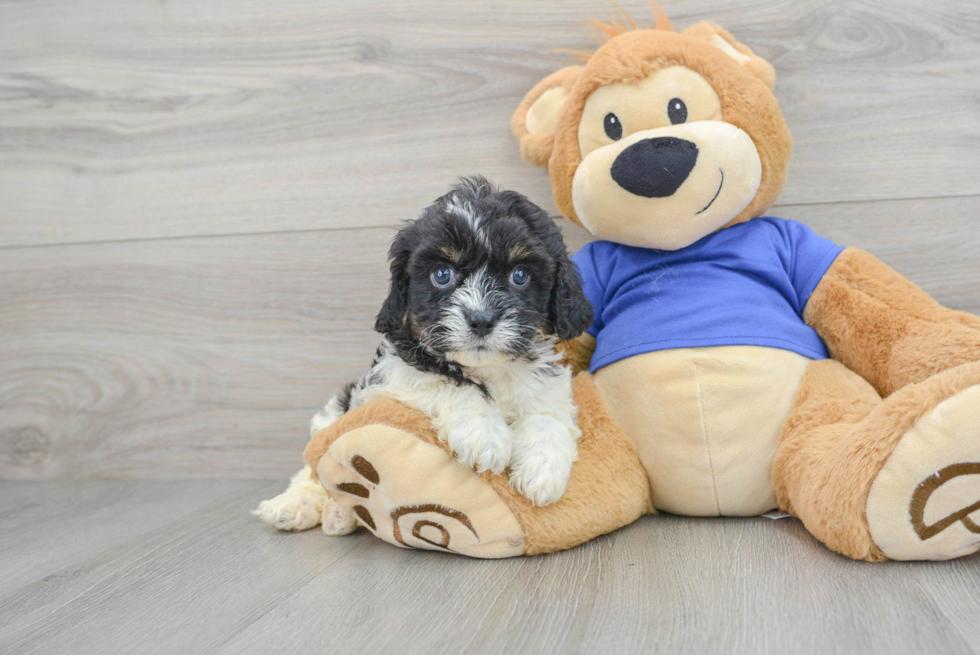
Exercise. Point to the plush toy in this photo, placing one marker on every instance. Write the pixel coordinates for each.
(737, 363)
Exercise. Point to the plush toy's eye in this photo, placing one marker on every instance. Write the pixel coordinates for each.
(442, 277)
(676, 111)
(519, 277)
(614, 129)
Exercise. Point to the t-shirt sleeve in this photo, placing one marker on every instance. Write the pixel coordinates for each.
(591, 284)
(812, 255)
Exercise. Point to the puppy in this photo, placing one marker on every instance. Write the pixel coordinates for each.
(481, 289)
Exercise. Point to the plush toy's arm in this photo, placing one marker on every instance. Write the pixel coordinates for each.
(577, 353)
(885, 328)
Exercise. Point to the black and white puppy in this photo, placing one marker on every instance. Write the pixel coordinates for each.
(481, 289)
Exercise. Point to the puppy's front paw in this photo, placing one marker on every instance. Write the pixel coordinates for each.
(482, 441)
(291, 511)
(335, 520)
(544, 452)
(542, 480)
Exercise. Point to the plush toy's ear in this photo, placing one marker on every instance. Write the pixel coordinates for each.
(721, 39)
(536, 118)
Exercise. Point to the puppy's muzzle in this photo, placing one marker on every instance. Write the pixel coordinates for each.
(655, 168)
(481, 322)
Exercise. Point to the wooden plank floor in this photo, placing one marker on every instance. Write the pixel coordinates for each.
(180, 567)
(195, 201)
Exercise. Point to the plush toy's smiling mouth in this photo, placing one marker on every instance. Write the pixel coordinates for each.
(720, 184)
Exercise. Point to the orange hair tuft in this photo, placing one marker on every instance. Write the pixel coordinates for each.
(614, 27)
(581, 54)
(660, 17)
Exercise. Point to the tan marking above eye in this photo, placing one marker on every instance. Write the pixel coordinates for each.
(644, 105)
(516, 253)
(451, 253)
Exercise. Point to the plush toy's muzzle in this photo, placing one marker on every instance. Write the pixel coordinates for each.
(666, 188)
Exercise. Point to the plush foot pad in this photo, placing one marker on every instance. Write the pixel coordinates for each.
(925, 502)
(414, 494)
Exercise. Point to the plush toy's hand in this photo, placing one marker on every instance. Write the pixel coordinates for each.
(577, 353)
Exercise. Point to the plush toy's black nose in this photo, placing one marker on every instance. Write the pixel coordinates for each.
(481, 323)
(655, 168)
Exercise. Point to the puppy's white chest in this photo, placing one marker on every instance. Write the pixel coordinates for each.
(508, 406)
(508, 392)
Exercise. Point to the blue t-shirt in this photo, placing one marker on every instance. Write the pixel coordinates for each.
(746, 285)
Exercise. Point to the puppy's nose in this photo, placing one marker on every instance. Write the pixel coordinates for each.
(655, 168)
(481, 323)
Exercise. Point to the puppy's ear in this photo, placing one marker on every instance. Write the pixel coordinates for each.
(393, 317)
(569, 311)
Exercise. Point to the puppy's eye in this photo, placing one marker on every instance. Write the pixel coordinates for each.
(443, 276)
(676, 111)
(519, 277)
(613, 127)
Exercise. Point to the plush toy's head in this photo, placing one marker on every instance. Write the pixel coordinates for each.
(661, 138)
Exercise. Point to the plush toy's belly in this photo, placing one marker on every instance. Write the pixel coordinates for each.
(706, 422)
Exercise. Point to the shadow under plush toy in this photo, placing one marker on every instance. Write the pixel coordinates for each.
(737, 363)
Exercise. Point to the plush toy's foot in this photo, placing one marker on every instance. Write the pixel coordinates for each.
(925, 501)
(385, 466)
(894, 478)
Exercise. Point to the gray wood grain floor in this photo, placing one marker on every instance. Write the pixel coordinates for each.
(180, 567)
(195, 201)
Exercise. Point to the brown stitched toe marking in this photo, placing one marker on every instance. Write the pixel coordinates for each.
(925, 489)
(365, 469)
(417, 532)
(354, 489)
(434, 509)
(365, 515)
